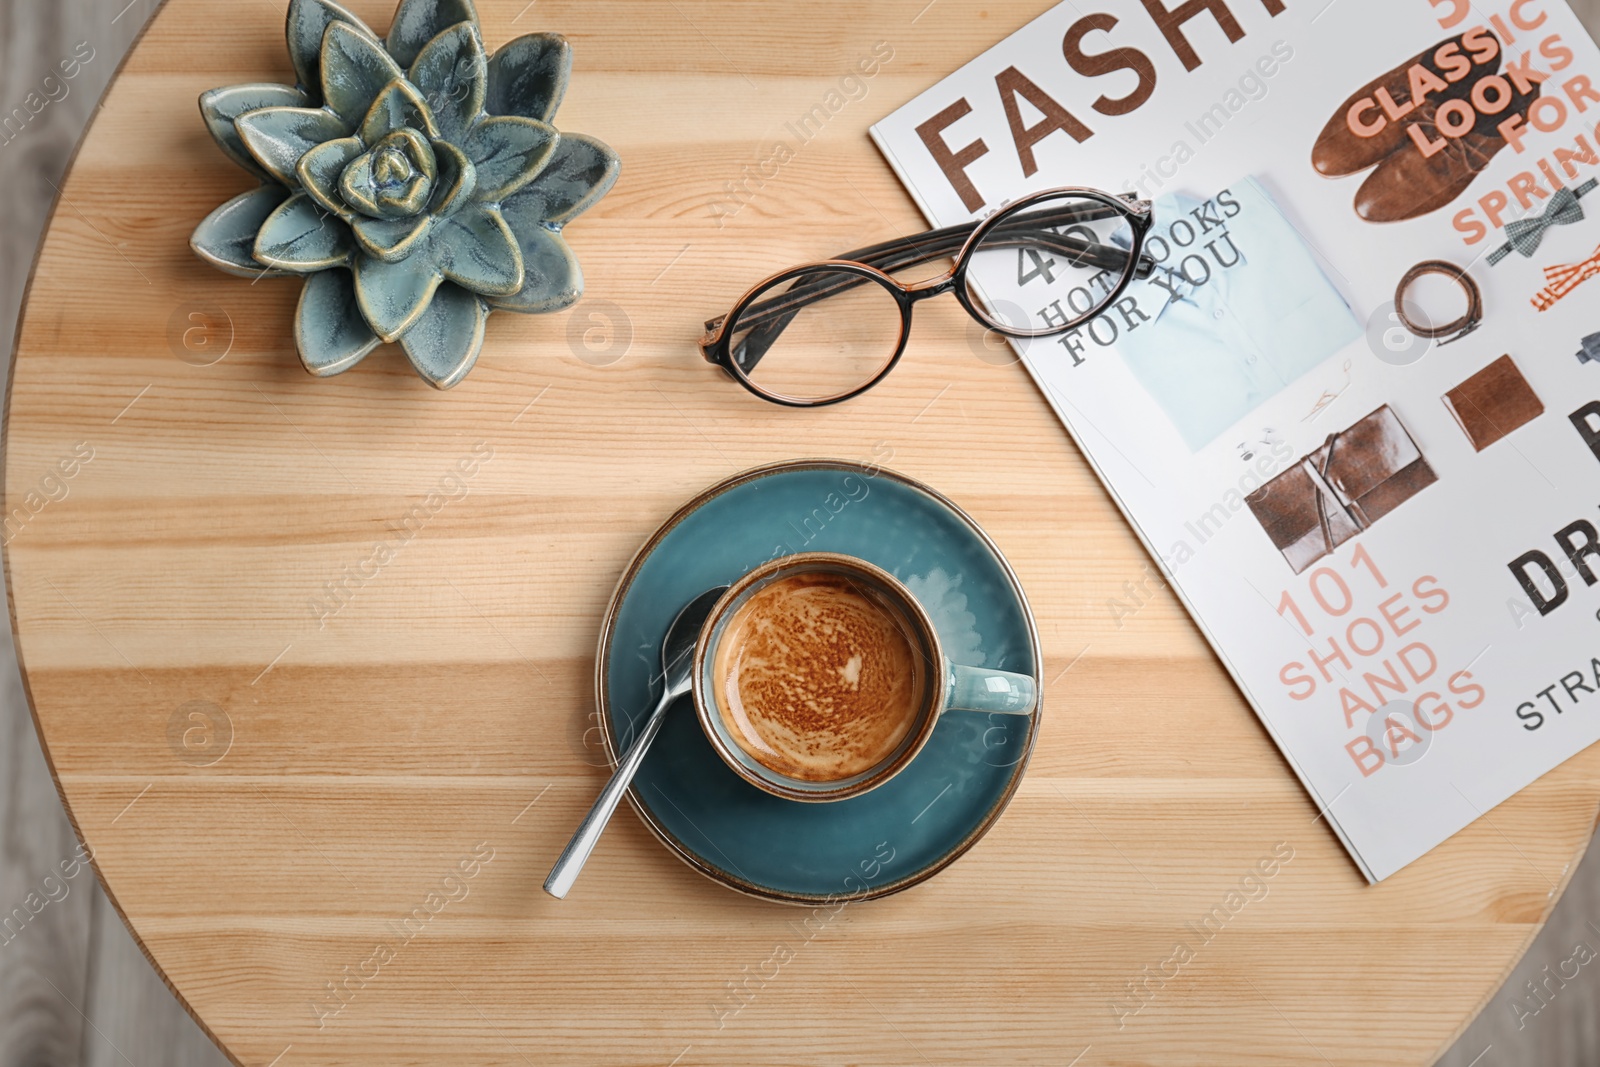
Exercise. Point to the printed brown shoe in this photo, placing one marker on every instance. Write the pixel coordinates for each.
(1408, 184)
(1340, 151)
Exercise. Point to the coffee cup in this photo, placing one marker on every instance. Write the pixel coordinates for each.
(818, 677)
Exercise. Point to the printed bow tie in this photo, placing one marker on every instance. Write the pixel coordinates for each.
(1524, 235)
(1563, 280)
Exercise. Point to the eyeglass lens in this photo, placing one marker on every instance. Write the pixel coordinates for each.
(1051, 264)
(818, 335)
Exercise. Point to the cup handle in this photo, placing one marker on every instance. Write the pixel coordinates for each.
(990, 692)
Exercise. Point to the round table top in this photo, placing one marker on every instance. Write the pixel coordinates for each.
(269, 790)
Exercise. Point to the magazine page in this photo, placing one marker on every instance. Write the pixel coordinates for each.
(1384, 517)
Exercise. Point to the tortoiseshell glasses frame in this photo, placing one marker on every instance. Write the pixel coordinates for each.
(1052, 222)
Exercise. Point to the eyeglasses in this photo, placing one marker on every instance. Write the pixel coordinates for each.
(825, 332)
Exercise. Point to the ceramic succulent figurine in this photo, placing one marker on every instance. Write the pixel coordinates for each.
(414, 181)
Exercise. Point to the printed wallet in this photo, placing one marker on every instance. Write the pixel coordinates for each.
(1493, 402)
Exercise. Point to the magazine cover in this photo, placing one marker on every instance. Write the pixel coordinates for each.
(1351, 401)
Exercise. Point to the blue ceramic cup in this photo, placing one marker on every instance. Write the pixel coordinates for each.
(943, 685)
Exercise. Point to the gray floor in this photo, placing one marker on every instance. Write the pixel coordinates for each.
(75, 989)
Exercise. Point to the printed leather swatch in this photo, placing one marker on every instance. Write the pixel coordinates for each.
(1493, 402)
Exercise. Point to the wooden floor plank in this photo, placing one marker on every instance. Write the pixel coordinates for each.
(44, 957)
(44, 916)
(74, 987)
(136, 1019)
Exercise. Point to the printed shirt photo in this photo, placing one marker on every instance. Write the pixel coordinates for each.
(1239, 309)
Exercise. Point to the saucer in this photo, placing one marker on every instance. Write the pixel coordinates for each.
(906, 830)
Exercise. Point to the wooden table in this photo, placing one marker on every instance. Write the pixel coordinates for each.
(268, 794)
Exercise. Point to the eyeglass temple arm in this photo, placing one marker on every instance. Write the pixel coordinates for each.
(904, 252)
(938, 244)
(772, 317)
(767, 320)
(1024, 234)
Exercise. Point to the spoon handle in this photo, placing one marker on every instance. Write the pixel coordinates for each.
(573, 857)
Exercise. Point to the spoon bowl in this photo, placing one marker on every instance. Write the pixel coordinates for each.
(677, 664)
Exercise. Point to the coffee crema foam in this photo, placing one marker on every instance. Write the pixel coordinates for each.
(819, 677)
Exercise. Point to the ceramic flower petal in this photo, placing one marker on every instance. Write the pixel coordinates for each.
(221, 106)
(398, 106)
(552, 279)
(393, 296)
(391, 240)
(476, 249)
(355, 69)
(419, 21)
(453, 74)
(319, 171)
(227, 237)
(528, 77)
(307, 24)
(458, 180)
(579, 172)
(328, 328)
(508, 153)
(279, 136)
(446, 340)
(299, 236)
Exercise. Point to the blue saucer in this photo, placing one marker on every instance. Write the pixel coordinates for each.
(900, 833)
